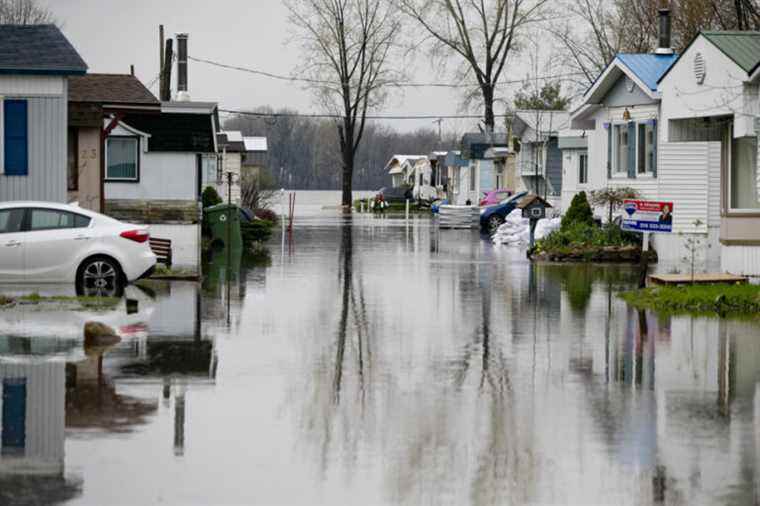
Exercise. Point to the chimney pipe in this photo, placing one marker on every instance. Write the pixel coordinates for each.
(132, 70)
(182, 91)
(664, 47)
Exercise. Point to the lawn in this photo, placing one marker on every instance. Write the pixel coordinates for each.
(714, 299)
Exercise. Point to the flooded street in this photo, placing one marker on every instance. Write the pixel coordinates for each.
(370, 361)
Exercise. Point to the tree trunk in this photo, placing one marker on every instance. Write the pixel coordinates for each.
(346, 136)
(488, 106)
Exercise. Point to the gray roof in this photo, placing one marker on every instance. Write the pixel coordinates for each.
(543, 122)
(37, 49)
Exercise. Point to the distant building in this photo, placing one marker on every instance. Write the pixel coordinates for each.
(36, 62)
(256, 157)
(401, 169)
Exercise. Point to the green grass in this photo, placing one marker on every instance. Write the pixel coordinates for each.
(64, 301)
(701, 299)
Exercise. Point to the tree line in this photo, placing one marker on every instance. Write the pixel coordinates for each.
(302, 152)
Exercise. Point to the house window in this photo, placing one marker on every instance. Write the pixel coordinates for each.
(122, 158)
(645, 151)
(472, 178)
(73, 160)
(583, 168)
(15, 138)
(744, 178)
(620, 138)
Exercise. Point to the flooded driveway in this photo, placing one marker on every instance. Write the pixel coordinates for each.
(368, 361)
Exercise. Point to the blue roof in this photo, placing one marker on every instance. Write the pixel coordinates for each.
(648, 67)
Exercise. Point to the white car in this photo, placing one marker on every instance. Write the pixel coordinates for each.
(43, 242)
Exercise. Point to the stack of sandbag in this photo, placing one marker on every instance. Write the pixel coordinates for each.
(458, 216)
(516, 229)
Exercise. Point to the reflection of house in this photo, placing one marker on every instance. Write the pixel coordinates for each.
(32, 407)
(539, 161)
(93, 98)
(35, 64)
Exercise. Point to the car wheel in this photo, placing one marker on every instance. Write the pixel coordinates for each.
(100, 277)
(494, 222)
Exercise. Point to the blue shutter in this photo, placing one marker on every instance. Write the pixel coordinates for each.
(654, 148)
(15, 138)
(609, 151)
(632, 149)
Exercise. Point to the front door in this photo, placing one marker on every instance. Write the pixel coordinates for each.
(13, 440)
(11, 245)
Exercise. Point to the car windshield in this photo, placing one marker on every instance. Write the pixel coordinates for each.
(513, 197)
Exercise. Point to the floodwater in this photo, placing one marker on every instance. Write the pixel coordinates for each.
(371, 361)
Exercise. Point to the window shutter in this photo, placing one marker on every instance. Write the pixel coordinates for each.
(609, 152)
(654, 148)
(632, 150)
(15, 139)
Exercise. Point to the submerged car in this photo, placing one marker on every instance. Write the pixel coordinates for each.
(494, 197)
(43, 242)
(492, 217)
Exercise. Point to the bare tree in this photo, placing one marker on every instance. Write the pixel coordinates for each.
(24, 12)
(485, 34)
(347, 43)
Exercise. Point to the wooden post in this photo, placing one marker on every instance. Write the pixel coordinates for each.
(160, 59)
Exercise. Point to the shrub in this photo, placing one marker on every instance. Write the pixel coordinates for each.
(265, 214)
(255, 231)
(578, 236)
(579, 212)
(210, 197)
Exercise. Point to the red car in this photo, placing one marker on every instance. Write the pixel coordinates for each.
(494, 197)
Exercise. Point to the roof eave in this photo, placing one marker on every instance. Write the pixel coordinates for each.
(43, 72)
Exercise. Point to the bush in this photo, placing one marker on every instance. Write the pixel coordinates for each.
(577, 236)
(579, 212)
(210, 197)
(256, 231)
(265, 214)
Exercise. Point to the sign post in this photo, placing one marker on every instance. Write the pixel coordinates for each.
(647, 217)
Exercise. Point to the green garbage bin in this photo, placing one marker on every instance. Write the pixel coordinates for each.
(224, 224)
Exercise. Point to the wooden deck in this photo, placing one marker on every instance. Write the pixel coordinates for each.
(701, 279)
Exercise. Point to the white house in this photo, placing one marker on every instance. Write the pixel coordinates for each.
(575, 170)
(401, 169)
(35, 64)
(710, 126)
(154, 171)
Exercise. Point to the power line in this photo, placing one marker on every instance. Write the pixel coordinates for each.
(339, 116)
(306, 80)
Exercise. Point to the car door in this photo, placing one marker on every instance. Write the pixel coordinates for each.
(12, 247)
(55, 242)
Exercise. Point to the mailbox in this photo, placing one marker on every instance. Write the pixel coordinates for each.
(533, 207)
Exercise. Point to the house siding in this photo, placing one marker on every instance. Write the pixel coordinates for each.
(46, 180)
(163, 176)
(554, 166)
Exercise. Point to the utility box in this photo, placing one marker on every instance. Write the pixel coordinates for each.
(224, 225)
(533, 207)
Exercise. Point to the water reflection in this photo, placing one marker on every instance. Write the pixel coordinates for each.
(381, 362)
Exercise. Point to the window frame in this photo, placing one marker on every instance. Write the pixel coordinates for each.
(739, 211)
(583, 168)
(27, 222)
(642, 153)
(136, 179)
(617, 130)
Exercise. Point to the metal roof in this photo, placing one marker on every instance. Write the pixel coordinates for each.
(649, 68)
(742, 47)
(37, 49)
(255, 143)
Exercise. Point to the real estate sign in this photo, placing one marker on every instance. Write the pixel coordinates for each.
(647, 216)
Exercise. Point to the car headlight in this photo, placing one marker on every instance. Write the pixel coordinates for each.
(483, 211)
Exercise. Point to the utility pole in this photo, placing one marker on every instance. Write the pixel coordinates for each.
(160, 59)
(439, 121)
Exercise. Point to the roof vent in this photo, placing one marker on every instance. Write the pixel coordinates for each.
(665, 32)
(700, 69)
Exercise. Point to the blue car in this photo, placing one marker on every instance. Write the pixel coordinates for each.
(492, 217)
(436, 206)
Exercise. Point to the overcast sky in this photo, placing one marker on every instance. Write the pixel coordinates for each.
(112, 35)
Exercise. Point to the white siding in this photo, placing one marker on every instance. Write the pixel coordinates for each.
(740, 260)
(721, 94)
(29, 86)
(46, 179)
(163, 176)
(683, 180)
